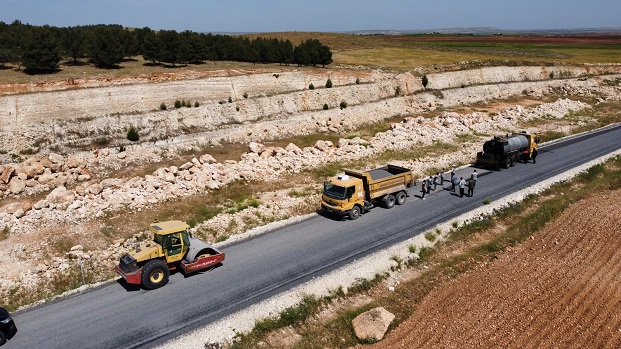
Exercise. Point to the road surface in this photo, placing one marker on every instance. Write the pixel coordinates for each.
(121, 316)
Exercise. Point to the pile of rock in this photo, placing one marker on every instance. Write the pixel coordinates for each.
(41, 173)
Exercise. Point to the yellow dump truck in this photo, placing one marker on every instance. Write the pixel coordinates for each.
(355, 192)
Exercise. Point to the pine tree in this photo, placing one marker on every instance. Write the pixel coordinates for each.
(107, 50)
(41, 50)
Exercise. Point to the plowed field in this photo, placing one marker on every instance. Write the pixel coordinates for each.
(560, 289)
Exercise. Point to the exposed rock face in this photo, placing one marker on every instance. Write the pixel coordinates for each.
(260, 162)
(372, 324)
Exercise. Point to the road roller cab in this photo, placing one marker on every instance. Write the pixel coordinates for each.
(150, 263)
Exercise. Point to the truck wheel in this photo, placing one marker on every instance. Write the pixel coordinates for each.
(507, 163)
(400, 198)
(2, 338)
(354, 213)
(389, 201)
(154, 274)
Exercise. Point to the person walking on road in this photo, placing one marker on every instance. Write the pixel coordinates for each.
(435, 181)
(423, 189)
(462, 187)
(474, 176)
(534, 155)
(442, 177)
(471, 184)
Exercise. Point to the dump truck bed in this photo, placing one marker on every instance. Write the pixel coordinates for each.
(384, 180)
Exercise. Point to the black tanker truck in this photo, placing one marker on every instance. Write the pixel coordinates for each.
(507, 150)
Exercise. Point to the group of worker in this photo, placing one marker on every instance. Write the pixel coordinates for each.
(460, 182)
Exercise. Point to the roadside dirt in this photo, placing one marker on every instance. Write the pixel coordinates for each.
(558, 290)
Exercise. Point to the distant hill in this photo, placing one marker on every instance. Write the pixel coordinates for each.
(491, 31)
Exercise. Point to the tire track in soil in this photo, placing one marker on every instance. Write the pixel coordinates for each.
(561, 289)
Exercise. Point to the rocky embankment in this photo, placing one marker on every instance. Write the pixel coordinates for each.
(74, 186)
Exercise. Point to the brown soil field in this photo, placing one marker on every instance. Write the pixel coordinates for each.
(560, 289)
(522, 39)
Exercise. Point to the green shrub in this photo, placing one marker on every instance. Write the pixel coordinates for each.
(177, 104)
(398, 91)
(163, 106)
(487, 201)
(357, 81)
(183, 103)
(329, 83)
(325, 106)
(425, 81)
(230, 100)
(343, 105)
(311, 86)
(196, 104)
(132, 134)
(430, 236)
(237, 108)
(245, 95)
(188, 104)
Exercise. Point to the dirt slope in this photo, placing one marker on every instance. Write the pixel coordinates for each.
(562, 289)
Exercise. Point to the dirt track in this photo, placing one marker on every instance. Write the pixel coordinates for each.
(559, 290)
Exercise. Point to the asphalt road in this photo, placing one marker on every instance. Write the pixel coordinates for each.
(119, 316)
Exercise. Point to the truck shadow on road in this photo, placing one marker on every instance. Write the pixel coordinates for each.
(331, 216)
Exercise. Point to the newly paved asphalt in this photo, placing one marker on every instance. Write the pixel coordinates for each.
(116, 316)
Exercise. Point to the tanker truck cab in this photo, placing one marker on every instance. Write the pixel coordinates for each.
(533, 143)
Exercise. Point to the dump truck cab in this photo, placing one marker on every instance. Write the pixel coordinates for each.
(343, 192)
(150, 262)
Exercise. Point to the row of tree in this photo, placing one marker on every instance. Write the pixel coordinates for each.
(41, 48)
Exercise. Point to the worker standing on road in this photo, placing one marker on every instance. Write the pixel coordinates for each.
(534, 155)
(453, 182)
(471, 184)
(423, 189)
(474, 176)
(435, 181)
(462, 187)
(429, 183)
(442, 177)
